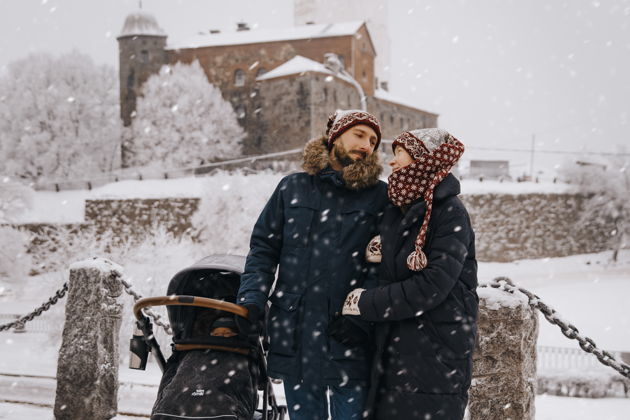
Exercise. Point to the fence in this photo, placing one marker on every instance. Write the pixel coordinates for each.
(561, 358)
(269, 160)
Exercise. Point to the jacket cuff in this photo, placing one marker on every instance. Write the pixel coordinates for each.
(252, 298)
(366, 306)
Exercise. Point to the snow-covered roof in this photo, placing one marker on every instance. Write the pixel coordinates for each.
(386, 96)
(141, 23)
(254, 36)
(296, 65)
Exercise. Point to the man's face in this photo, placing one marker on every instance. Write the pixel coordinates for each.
(354, 144)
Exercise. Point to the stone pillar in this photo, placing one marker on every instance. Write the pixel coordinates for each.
(504, 361)
(87, 369)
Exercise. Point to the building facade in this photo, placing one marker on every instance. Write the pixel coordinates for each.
(275, 79)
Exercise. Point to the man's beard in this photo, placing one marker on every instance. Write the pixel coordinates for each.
(343, 157)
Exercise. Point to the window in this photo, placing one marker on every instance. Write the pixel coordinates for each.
(260, 72)
(239, 78)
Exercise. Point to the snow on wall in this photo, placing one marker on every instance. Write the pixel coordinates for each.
(496, 299)
(100, 264)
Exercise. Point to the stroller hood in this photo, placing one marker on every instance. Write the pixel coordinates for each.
(215, 277)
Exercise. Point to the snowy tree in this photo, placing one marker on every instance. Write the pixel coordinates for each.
(183, 120)
(15, 262)
(15, 197)
(59, 117)
(607, 184)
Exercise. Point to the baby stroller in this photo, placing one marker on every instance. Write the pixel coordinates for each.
(216, 369)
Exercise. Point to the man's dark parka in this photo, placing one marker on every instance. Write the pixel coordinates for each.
(425, 320)
(314, 228)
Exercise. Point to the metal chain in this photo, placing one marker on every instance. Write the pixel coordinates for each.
(19, 323)
(569, 330)
(148, 311)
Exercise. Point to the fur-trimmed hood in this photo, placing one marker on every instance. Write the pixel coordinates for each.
(357, 176)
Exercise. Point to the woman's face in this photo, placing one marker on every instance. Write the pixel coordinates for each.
(401, 159)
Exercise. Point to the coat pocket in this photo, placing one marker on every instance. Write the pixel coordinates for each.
(341, 352)
(282, 324)
(298, 218)
(358, 227)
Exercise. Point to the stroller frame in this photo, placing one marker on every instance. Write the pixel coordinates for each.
(141, 346)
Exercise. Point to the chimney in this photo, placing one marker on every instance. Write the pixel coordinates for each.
(242, 26)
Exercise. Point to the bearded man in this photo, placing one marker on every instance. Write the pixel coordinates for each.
(314, 229)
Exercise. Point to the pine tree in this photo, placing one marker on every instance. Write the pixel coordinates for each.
(182, 120)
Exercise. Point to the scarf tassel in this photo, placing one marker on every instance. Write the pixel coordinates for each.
(416, 261)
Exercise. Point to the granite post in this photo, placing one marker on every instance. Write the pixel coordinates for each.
(504, 361)
(87, 369)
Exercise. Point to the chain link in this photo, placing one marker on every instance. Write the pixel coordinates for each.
(568, 329)
(19, 323)
(157, 318)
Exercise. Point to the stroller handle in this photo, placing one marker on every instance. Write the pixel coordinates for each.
(183, 300)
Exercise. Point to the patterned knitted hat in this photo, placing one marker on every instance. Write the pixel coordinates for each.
(343, 119)
(434, 152)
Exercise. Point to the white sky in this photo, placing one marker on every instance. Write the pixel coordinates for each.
(497, 71)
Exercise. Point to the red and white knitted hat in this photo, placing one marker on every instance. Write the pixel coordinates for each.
(434, 152)
(343, 119)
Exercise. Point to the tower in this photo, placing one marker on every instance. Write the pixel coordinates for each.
(141, 48)
(373, 12)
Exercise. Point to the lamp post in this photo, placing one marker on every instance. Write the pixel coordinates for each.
(334, 64)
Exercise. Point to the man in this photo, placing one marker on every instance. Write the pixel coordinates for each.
(315, 227)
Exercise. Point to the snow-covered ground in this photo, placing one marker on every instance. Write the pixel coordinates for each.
(587, 290)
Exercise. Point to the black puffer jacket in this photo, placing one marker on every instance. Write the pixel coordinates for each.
(315, 229)
(426, 320)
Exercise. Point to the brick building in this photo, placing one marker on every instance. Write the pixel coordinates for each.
(274, 78)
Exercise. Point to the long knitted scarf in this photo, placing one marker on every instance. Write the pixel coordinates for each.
(419, 179)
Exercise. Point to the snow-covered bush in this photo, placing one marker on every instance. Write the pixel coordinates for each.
(229, 209)
(608, 184)
(15, 263)
(148, 262)
(182, 120)
(15, 198)
(59, 117)
(583, 383)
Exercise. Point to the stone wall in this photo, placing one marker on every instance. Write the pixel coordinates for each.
(128, 218)
(530, 226)
(396, 118)
(507, 227)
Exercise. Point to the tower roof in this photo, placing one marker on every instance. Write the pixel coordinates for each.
(141, 23)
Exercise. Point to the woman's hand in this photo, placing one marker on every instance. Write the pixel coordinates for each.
(351, 305)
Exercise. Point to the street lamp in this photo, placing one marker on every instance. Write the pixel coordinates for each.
(334, 64)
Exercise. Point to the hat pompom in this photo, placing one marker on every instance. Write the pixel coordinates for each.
(416, 261)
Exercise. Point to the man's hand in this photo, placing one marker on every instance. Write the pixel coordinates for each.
(350, 331)
(254, 323)
(351, 305)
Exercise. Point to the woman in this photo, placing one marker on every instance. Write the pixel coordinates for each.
(426, 304)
